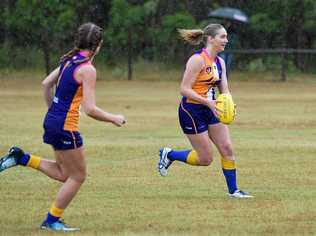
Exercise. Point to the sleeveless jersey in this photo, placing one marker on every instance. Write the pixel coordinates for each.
(63, 113)
(208, 78)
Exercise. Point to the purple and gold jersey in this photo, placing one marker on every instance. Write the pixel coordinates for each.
(63, 113)
(209, 76)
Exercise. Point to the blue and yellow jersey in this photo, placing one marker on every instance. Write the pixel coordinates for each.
(63, 113)
(209, 76)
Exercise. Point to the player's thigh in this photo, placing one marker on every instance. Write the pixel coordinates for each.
(219, 134)
(71, 161)
(202, 144)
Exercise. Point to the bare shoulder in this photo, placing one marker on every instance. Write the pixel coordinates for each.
(87, 68)
(86, 71)
(196, 60)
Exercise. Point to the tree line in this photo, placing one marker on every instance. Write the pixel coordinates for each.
(36, 31)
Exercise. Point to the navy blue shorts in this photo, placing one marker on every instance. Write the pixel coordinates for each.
(62, 139)
(195, 118)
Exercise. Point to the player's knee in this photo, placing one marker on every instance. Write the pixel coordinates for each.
(206, 160)
(79, 176)
(226, 149)
(63, 178)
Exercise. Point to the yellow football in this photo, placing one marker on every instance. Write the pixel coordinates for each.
(226, 108)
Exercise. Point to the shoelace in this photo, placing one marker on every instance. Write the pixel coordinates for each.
(62, 222)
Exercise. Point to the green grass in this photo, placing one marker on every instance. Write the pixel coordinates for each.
(274, 138)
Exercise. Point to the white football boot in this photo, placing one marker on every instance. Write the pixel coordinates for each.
(164, 161)
(239, 194)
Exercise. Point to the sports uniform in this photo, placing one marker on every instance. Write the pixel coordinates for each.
(194, 117)
(62, 119)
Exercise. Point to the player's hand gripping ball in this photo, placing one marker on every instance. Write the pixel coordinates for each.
(226, 108)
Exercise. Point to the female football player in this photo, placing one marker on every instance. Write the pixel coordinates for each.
(197, 110)
(75, 81)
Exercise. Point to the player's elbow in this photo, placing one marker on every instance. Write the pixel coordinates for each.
(46, 84)
(89, 110)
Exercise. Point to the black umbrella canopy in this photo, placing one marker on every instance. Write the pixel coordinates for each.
(229, 14)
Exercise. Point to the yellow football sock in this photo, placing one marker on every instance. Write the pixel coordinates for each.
(34, 161)
(228, 164)
(193, 158)
(55, 211)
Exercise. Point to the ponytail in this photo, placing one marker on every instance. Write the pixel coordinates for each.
(69, 54)
(194, 36)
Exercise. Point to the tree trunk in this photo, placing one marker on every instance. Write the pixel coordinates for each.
(46, 51)
(283, 66)
(130, 55)
(301, 39)
(9, 39)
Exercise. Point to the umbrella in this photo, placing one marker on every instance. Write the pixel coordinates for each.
(229, 14)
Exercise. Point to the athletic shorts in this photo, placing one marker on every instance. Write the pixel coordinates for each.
(195, 118)
(62, 139)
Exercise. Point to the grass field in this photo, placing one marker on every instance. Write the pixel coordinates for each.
(274, 139)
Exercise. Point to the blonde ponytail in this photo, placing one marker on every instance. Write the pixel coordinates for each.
(196, 36)
(193, 36)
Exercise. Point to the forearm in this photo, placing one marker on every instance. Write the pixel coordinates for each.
(223, 87)
(98, 114)
(221, 90)
(48, 95)
(48, 85)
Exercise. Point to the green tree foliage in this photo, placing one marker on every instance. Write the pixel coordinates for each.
(169, 40)
(125, 32)
(147, 28)
(124, 18)
(40, 23)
